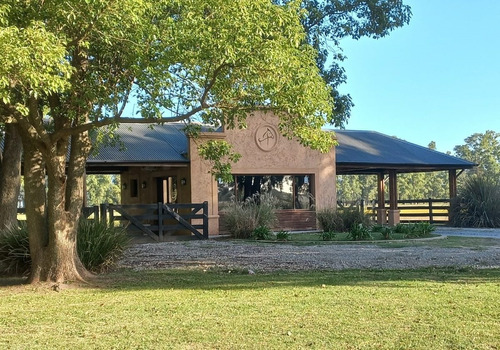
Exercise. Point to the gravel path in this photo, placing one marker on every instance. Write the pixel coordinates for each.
(264, 257)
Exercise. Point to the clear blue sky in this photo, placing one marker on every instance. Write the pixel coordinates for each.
(436, 79)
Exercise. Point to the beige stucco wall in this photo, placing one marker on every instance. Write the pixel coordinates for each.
(264, 151)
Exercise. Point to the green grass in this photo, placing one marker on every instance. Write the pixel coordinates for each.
(339, 238)
(191, 309)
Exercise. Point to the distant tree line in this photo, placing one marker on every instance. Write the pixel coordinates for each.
(480, 148)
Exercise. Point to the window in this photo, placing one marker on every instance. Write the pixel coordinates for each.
(289, 191)
(134, 188)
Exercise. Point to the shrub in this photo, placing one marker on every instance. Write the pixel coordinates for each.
(360, 232)
(420, 229)
(353, 217)
(14, 251)
(385, 231)
(477, 203)
(98, 246)
(262, 233)
(423, 229)
(283, 235)
(328, 235)
(242, 218)
(329, 220)
(341, 220)
(403, 228)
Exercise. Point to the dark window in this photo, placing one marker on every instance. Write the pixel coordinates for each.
(134, 188)
(288, 191)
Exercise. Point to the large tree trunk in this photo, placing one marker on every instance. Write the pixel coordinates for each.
(10, 176)
(53, 239)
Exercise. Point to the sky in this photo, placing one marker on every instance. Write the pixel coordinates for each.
(436, 79)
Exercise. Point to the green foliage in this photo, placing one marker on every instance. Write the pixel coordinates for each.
(282, 235)
(329, 220)
(262, 233)
(360, 232)
(385, 231)
(14, 251)
(103, 189)
(484, 150)
(220, 154)
(327, 22)
(402, 228)
(477, 203)
(328, 235)
(415, 230)
(98, 246)
(242, 218)
(340, 220)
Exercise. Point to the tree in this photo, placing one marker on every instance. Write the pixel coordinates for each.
(10, 175)
(484, 150)
(102, 189)
(71, 67)
(328, 22)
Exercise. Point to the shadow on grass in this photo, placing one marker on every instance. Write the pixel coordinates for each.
(240, 280)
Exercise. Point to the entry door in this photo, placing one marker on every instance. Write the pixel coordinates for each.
(166, 189)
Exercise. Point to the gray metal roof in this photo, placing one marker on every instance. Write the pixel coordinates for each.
(139, 143)
(358, 152)
(371, 152)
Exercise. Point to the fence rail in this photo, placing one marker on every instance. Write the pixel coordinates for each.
(155, 220)
(435, 211)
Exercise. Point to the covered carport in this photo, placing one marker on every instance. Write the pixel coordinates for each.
(373, 153)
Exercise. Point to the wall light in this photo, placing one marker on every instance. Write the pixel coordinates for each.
(144, 184)
(183, 181)
(124, 186)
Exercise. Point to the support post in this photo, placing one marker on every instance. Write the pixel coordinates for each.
(452, 179)
(381, 214)
(160, 221)
(393, 199)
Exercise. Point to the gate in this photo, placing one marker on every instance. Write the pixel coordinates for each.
(156, 220)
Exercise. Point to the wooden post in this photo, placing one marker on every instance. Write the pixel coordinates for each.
(431, 216)
(111, 216)
(393, 199)
(452, 178)
(381, 215)
(160, 221)
(103, 210)
(205, 219)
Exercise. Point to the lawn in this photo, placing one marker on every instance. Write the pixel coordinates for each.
(193, 309)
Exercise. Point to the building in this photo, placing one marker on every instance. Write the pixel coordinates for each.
(162, 164)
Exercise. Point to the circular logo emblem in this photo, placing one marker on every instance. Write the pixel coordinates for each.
(266, 137)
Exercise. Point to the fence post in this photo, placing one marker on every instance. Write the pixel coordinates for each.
(160, 221)
(431, 216)
(362, 206)
(95, 209)
(205, 219)
(103, 209)
(111, 215)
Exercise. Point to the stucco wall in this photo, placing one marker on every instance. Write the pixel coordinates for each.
(278, 155)
(264, 151)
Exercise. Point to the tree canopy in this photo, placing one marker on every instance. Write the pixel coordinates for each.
(328, 22)
(71, 67)
(484, 150)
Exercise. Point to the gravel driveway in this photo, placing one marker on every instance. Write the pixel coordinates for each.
(264, 257)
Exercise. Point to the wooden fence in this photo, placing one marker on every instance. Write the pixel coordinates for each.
(155, 220)
(434, 211)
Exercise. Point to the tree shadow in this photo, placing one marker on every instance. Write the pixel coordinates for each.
(241, 279)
